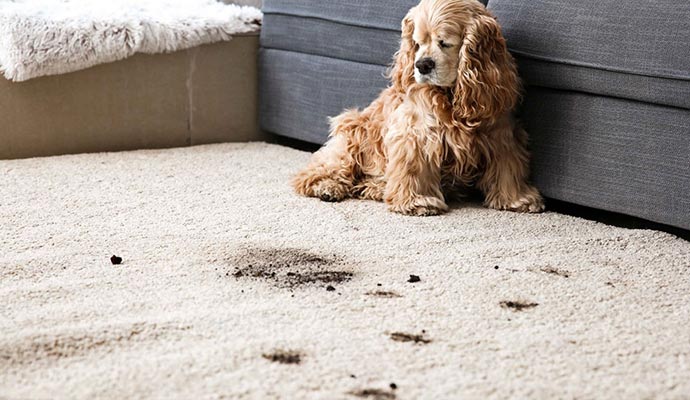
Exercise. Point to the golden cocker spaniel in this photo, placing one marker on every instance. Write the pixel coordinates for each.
(443, 125)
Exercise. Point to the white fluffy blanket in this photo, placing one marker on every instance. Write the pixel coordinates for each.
(48, 37)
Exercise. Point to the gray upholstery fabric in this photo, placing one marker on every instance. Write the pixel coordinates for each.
(300, 91)
(382, 14)
(641, 37)
(355, 30)
(614, 154)
(635, 50)
(670, 92)
(329, 39)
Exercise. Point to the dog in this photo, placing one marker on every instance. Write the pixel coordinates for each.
(443, 125)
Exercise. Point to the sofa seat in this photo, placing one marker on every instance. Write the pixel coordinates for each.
(637, 50)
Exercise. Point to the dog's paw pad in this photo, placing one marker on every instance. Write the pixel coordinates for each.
(425, 211)
(530, 204)
(329, 198)
(421, 207)
(331, 191)
(527, 204)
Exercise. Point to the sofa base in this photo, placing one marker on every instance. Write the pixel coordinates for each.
(300, 91)
(206, 94)
(612, 154)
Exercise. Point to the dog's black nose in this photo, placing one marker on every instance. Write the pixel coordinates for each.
(425, 66)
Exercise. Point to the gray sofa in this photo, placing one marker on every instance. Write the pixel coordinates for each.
(607, 101)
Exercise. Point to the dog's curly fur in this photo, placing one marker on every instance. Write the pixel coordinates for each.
(422, 139)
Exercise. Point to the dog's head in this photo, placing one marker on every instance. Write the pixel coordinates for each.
(458, 44)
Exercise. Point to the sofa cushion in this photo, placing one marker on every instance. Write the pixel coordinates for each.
(584, 44)
(329, 39)
(357, 30)
(381, 14)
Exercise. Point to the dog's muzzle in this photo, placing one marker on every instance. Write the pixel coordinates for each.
(425, 66)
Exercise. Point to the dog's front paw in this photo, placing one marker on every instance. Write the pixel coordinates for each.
(325, 188)
(331, 190)
(529, 201)
(420, 206)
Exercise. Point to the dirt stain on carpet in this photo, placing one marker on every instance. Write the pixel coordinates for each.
(517, 305)
(408, 337)
(284, 356)
(386, 294)
(376, 394)
(288, 268)
(554, 271)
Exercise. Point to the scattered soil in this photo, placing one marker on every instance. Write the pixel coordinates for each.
(414, 279)
(557, 272)
(115, 260)
(384, 294)
(330, 288)
(284, 356)
(513, 270)
(288, 268)
(376, 394)
(517, 305)
(407, 337)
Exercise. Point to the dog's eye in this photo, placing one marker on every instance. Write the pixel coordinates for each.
(444, 45)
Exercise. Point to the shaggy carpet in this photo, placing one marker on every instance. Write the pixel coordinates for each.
(231, 286)
(48, 37)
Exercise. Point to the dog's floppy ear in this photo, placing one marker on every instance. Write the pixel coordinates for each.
(488, 84)
(402, 73)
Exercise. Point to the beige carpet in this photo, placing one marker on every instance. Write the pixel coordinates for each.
(222, 292)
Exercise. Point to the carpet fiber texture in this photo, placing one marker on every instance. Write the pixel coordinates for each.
(231, 286)
(49, 37)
